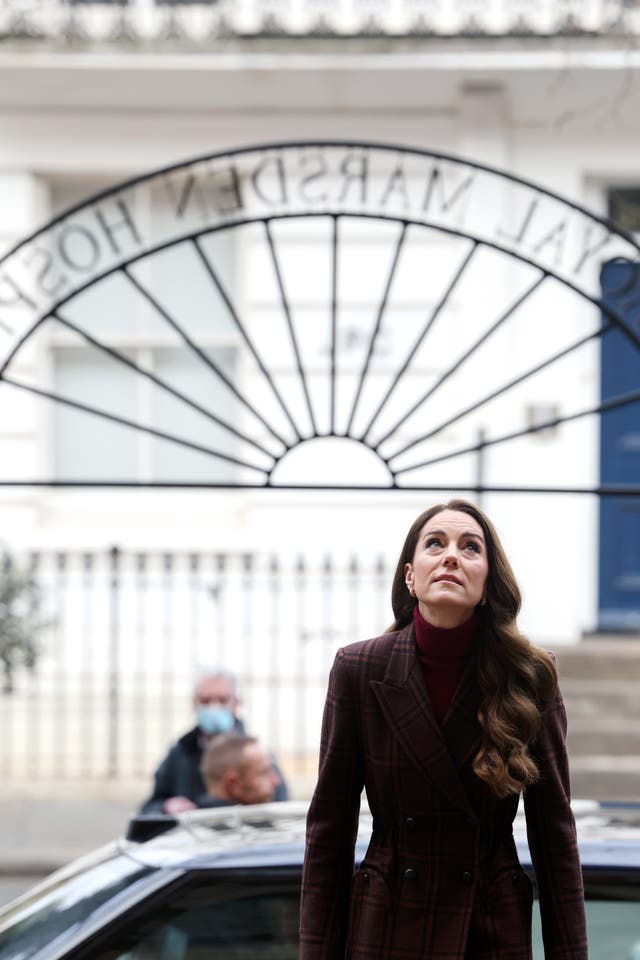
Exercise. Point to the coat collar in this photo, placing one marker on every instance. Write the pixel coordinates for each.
(438, 752)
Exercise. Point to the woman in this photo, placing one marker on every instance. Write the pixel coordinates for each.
(444, 720)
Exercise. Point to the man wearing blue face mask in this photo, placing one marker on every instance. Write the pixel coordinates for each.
(178, 781)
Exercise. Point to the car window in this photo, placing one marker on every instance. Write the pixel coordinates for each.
(63, 907)
(613, 919)
(614, 930)
(208, 918)
(613, 915)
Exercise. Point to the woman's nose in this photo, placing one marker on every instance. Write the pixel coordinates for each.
(450, 558)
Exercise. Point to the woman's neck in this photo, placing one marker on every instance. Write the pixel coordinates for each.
(444, 643)
(447, 618)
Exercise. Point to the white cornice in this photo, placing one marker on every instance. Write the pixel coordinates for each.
(144, 21)
(459, 61)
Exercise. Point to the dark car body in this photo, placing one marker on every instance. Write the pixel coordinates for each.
(224, 884)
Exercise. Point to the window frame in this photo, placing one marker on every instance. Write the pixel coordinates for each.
(142, 343)
(118, 920)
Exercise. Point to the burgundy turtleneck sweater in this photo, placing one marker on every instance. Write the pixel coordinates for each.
(443, 653)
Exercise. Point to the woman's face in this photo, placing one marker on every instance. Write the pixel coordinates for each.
(449, 568)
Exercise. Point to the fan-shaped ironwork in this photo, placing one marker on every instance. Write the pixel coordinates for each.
(344, 315)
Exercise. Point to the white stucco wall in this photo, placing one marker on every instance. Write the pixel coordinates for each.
(72, 123)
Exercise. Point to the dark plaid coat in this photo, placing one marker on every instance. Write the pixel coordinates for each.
(441, 878)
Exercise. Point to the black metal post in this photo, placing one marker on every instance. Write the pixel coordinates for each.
(113, 722)
(480, 464)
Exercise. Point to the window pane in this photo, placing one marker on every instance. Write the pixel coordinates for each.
(86, 446)
(213, 921)
(185, 371)
(613, 930)
(111, 309)
(177, 279)
(65, 905)
(624, 208)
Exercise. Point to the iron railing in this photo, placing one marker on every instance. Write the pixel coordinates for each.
(116, 21)
(125, 632)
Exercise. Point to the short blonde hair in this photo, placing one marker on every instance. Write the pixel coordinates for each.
(224, 752)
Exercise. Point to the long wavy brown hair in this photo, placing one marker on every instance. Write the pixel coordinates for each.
(516, 678)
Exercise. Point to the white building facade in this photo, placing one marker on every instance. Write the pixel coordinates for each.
(94, 94)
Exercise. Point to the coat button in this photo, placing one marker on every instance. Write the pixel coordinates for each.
(365, 876)
(471, 822)
(467, 877)
(410, 873)
(410, 822)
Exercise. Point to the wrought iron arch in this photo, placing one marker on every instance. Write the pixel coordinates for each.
(394, 313)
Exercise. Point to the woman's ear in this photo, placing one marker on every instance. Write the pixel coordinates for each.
(408, 577)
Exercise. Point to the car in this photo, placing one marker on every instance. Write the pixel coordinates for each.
(224, 883)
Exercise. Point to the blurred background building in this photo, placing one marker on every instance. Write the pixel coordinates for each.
(139, 582)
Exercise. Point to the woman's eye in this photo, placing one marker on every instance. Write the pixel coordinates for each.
(433, 542)
(472, 545)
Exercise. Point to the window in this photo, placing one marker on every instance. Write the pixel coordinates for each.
(624, 207)
(87, 446)
(63, 906)
(141, 356)
(211, 919)
(613, 916)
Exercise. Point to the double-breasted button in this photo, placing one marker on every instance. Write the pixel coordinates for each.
(467, 877)
(365, 876)
(471, 822)
(410, 822)
(410, 873)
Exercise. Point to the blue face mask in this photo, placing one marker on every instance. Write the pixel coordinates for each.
(213, 720)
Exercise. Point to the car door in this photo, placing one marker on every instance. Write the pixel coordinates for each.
(246, 914)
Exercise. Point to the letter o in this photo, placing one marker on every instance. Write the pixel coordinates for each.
(78, 248)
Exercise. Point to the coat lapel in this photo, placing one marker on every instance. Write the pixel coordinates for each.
(404, 701)
(461, 728)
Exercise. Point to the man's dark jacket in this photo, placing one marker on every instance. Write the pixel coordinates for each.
(179, 773)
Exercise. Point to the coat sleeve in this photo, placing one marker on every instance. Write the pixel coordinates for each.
(162, 785)
(551, 832)
(332, 825)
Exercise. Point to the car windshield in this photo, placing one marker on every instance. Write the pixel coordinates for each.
(64, 903)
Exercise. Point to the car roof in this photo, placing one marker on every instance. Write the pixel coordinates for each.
(272, 835)
(245, 834)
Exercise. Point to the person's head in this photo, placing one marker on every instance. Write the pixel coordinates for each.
(515, 678)
(215, 699)
(238, 769)
(451, 563)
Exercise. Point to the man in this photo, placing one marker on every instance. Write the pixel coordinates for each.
(237, 769)
(178, 780)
